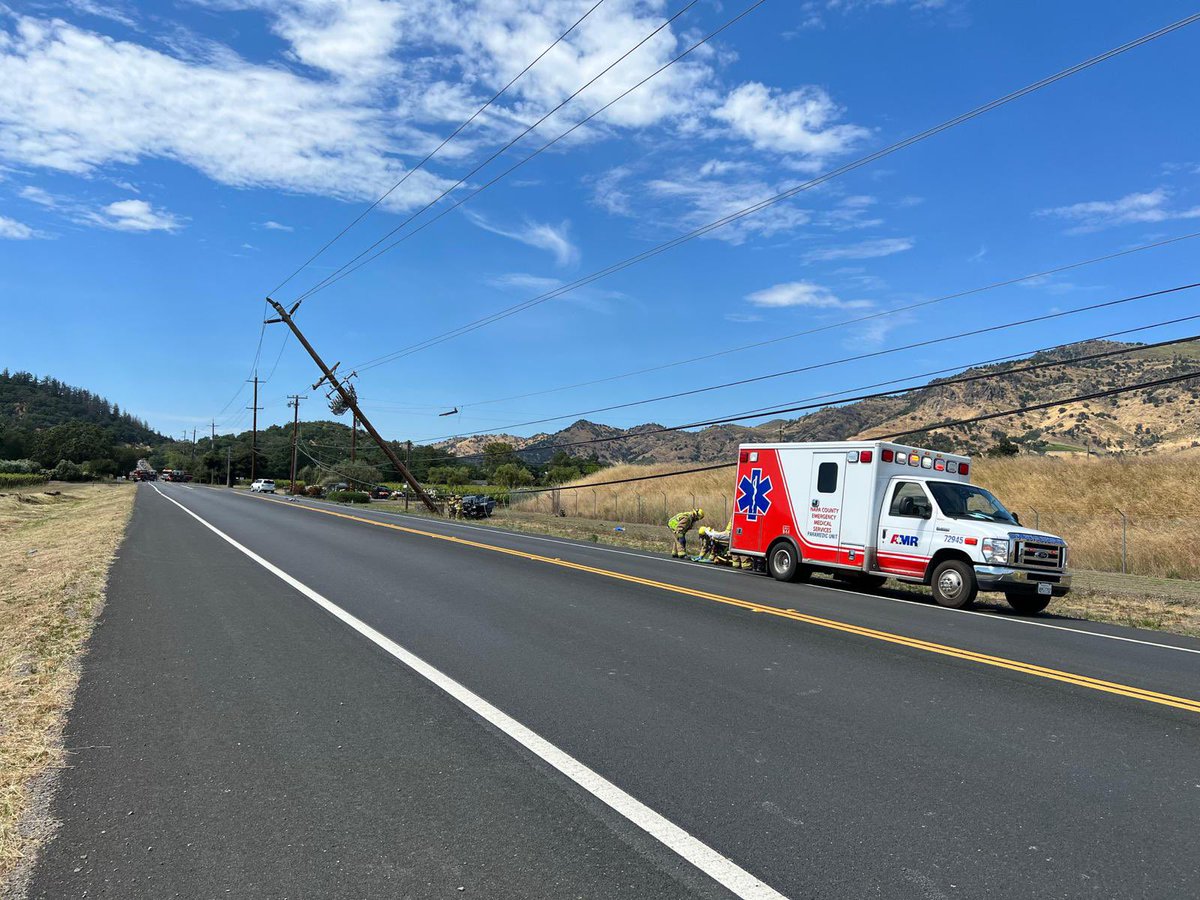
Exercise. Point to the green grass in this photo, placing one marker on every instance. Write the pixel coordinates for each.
(20, 479)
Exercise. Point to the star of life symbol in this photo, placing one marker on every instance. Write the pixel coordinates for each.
(752, 496)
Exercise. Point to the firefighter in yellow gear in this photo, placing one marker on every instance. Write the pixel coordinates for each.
(454, 507)
(680, 524)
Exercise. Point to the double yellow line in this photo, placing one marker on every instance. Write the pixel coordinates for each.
(1095, 684)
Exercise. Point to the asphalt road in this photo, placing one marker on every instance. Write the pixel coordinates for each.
(231, 737)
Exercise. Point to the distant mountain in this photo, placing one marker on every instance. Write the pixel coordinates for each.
(1137, 422)
(29, 403)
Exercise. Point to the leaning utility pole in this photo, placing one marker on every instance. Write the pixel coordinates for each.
(254, 438)
(327, 374)
(353, 434)
(294, 403)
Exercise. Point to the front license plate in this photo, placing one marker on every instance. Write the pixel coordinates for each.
(1044, 588)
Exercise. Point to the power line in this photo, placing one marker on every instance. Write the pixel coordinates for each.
(841, 324)
(345, 269)
(1095, 395)
(349, 268)
(432, 153)
(811, 403)
(777, 198)
(845, 359)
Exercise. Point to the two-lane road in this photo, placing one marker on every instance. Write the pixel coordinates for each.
(520, 716)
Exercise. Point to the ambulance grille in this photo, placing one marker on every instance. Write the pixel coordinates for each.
(1037, 555)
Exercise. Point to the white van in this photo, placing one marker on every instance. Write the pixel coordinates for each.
(871, 510)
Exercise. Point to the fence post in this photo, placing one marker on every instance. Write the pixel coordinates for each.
(665, 513)
(724, 508)
(693, 501)
(594, 503)
(1037, 518)
(639, 496)
(1124, 543)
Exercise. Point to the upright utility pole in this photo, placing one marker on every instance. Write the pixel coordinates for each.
(294, 403)
(327, 374)
(192, 464)
(229, 466)
(254, 438)
(212, 448)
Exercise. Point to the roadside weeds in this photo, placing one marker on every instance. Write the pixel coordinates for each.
(55, 553)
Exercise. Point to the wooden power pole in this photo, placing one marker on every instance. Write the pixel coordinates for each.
(254, 433)
(348, 397)
(294, 403)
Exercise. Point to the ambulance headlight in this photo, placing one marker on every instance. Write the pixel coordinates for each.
(995, 550)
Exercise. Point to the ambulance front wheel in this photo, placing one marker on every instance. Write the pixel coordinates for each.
(783, 561)
(954, 584)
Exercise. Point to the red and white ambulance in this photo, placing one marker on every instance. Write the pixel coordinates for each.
(870, 510)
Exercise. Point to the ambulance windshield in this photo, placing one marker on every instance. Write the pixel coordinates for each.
(965, 501)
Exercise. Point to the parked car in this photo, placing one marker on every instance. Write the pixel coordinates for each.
(340, 486)
(263, 486)
(477, 506)
(380, 493)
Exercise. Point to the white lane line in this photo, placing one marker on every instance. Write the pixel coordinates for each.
(721, 869)
(928, 607)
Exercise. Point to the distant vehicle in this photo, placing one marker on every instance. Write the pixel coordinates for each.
(340, 486)
(263, 486)
(477, 506)
(865, 511)
(380, 493)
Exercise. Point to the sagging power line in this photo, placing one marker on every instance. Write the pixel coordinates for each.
(846, 359)
(776, 198)
(350, 266)
(819, 329)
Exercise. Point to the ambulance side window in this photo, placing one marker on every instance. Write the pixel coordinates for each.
(827, 478)
(909, 501)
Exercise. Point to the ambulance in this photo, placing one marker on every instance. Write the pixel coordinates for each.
(866, 511)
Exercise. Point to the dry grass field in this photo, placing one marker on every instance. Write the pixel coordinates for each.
(55, 553)
(1079, 498)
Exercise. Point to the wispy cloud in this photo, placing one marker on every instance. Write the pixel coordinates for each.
(1138, 208)
(803, 293)
(133, 215)
(13, 230)
(872, 249)
(542, 235)
(276, 226)
(39, 196)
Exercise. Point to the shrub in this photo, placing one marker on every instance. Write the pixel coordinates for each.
(314, 490)
(299, 488)
(19, 467)
(67, 471)
(21, 479)
(349, 496)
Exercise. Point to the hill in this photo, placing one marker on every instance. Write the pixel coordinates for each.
(29, 404)
(1138, 422)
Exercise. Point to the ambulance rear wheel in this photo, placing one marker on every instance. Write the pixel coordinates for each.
(954, 584)
(783, 562)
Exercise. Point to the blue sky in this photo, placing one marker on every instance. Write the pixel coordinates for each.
(164, 165)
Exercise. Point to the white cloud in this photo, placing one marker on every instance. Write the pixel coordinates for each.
(872, 249)
(271, 225)
(522, 281)
(74, 101)
(1094, 215)
(799, 122)
(542, 235)
(133, 215)
(693, 202)
(13, 230)
(803, 293)
(39, 196)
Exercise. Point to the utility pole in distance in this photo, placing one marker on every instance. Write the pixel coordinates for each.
(294, 403)
(254, 438)
(285, 316)
(212, 448)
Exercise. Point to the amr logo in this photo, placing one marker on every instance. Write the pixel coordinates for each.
(905, 540)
